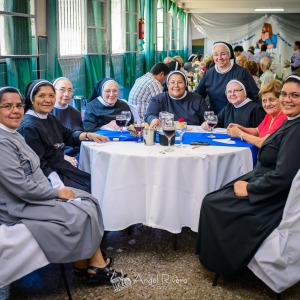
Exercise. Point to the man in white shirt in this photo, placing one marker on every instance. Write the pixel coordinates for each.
(238, 50)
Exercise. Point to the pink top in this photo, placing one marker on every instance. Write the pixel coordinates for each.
(263, 127)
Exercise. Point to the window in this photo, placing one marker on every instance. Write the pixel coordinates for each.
(18, 28)
(117, 33)
(160, 26)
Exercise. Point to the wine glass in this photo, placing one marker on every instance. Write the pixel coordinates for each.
(180, 129)
(139, 126)
(212, 121)
(128, 116)
(121, 121)
(169, 131)
(208, 113)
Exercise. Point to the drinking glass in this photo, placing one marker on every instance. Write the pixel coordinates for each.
(139, 126)
(180, 129)
(128, 116)
(121, 121)
(208, 113)
(169, 131)
(212, 121)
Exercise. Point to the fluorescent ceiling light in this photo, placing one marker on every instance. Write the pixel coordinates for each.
(269, 9)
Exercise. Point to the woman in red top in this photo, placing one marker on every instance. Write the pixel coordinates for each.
(272, 121)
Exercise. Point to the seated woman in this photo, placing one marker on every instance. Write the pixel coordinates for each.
(103, 106)
(66, 114)
(272, 121)
(177, 101)
(241, 108)
(66, 231)
(47, 136)
(236, 219)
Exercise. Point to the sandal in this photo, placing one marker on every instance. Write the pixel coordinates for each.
(81, 272)
(103, 275)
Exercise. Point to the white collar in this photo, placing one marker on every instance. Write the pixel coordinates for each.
(243, 103)
(35, 114)
(103, 102)
(185, 93)
(293, 118)
(223, 72)
(61, 107)
(7, 128)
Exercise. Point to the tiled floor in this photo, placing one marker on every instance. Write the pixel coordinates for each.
(155, 271)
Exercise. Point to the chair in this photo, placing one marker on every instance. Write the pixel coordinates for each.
(134, 110)
(18, 245)
(277, 261)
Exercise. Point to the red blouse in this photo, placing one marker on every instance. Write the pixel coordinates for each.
(263, 127)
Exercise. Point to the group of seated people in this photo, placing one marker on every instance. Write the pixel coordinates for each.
(234, 220)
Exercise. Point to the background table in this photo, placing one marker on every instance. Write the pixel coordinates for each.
(135, 183)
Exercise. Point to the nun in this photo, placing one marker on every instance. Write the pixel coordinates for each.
(47, 137)
(214, 81)
(103, 107)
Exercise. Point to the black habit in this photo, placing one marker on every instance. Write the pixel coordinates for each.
(231, 228)
(41, 135)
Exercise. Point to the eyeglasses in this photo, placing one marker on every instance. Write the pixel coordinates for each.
(10, 106)
(189, 76)
(63, 90)
(232, 92)
(176, 82)
(292, 96)
(111, 91)
(221, 54)
(271, 100)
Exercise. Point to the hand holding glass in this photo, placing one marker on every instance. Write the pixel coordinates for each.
(139, 126)
(212, 121)
(121, 122)
(181, 129)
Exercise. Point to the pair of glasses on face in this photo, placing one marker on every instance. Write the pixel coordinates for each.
(63, 91)
(271, 100)
(223, 54)
(111, 91)
(10, 106)
(59, 146)
(189, 76)
(232, 92)
(176, 83)
(292, 96)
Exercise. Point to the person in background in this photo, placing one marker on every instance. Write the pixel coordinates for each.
(149, 85)
(213, 82)
(188, 66)
(65, 113)
(238, 50)
(263, 53)
(167, 59)
(209, 61)
(178, 101)
(267, 75)
(180, 61)
(237, 218)
(103, 107)
(241, 109)
(251, 49)
(252, 67)
(66, 229)
(295, 60)
(241, 59)
(274, 118)
(47, 136)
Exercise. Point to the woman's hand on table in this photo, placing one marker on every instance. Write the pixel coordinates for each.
(155, 123)
(98, 138)
(234, 131)
(66, 193)
(113, 125)
(240, 188)
(72, 160)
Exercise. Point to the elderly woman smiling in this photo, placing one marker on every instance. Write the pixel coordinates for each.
(104, 106)
(177, 101)
(272, 121)
(241, 108)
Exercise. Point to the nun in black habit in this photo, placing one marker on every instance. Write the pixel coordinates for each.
(104, 105)
(47, 136)
(236, 219)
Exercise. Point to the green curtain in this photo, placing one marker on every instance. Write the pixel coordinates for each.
(129, 69)
(19, 42)
(53, 66)
(95, 71)
(150, 7)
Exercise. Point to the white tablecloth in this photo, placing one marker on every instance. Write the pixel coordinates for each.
(135, 183)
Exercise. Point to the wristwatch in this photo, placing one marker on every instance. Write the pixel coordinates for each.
(86, 136)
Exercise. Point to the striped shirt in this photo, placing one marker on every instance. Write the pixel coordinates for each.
(143, 90)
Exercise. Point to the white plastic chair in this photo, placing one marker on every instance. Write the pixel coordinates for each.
(20, 254)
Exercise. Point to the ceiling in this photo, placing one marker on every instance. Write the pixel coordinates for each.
(236, 6)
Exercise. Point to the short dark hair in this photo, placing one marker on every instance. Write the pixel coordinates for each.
(297, 43)
(238, 48)
(160, 67)
(9, 90)
(263, 47)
